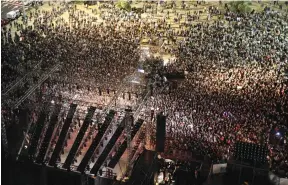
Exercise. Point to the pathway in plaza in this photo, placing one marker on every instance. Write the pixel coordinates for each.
(7, 6)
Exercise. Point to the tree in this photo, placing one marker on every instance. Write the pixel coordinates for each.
(240, 7)
(124, 5)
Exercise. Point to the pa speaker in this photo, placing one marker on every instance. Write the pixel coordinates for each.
(160, 132)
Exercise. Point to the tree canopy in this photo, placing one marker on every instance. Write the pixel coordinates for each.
(240, 6)
(124, 5)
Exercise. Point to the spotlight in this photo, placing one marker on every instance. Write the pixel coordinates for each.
(160, 177)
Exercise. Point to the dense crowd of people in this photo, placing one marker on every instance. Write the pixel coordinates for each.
(90, 56)
(234, 87)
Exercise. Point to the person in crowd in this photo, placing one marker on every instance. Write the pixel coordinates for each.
(234, 87)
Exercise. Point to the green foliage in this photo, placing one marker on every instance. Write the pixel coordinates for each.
(78, 2)
(240, 6)
(221, 16)
(123, 5)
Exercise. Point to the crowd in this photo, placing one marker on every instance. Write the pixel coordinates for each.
(90, 56)
(94, 59)
(234, 87)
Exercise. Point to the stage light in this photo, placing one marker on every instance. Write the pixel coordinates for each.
(160, 177)
(278, 134)
(141, 70)
(135, 82)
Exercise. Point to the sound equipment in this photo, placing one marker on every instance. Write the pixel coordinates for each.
(144, 169)
(250, 153)
(160, 132)
(175, 76)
